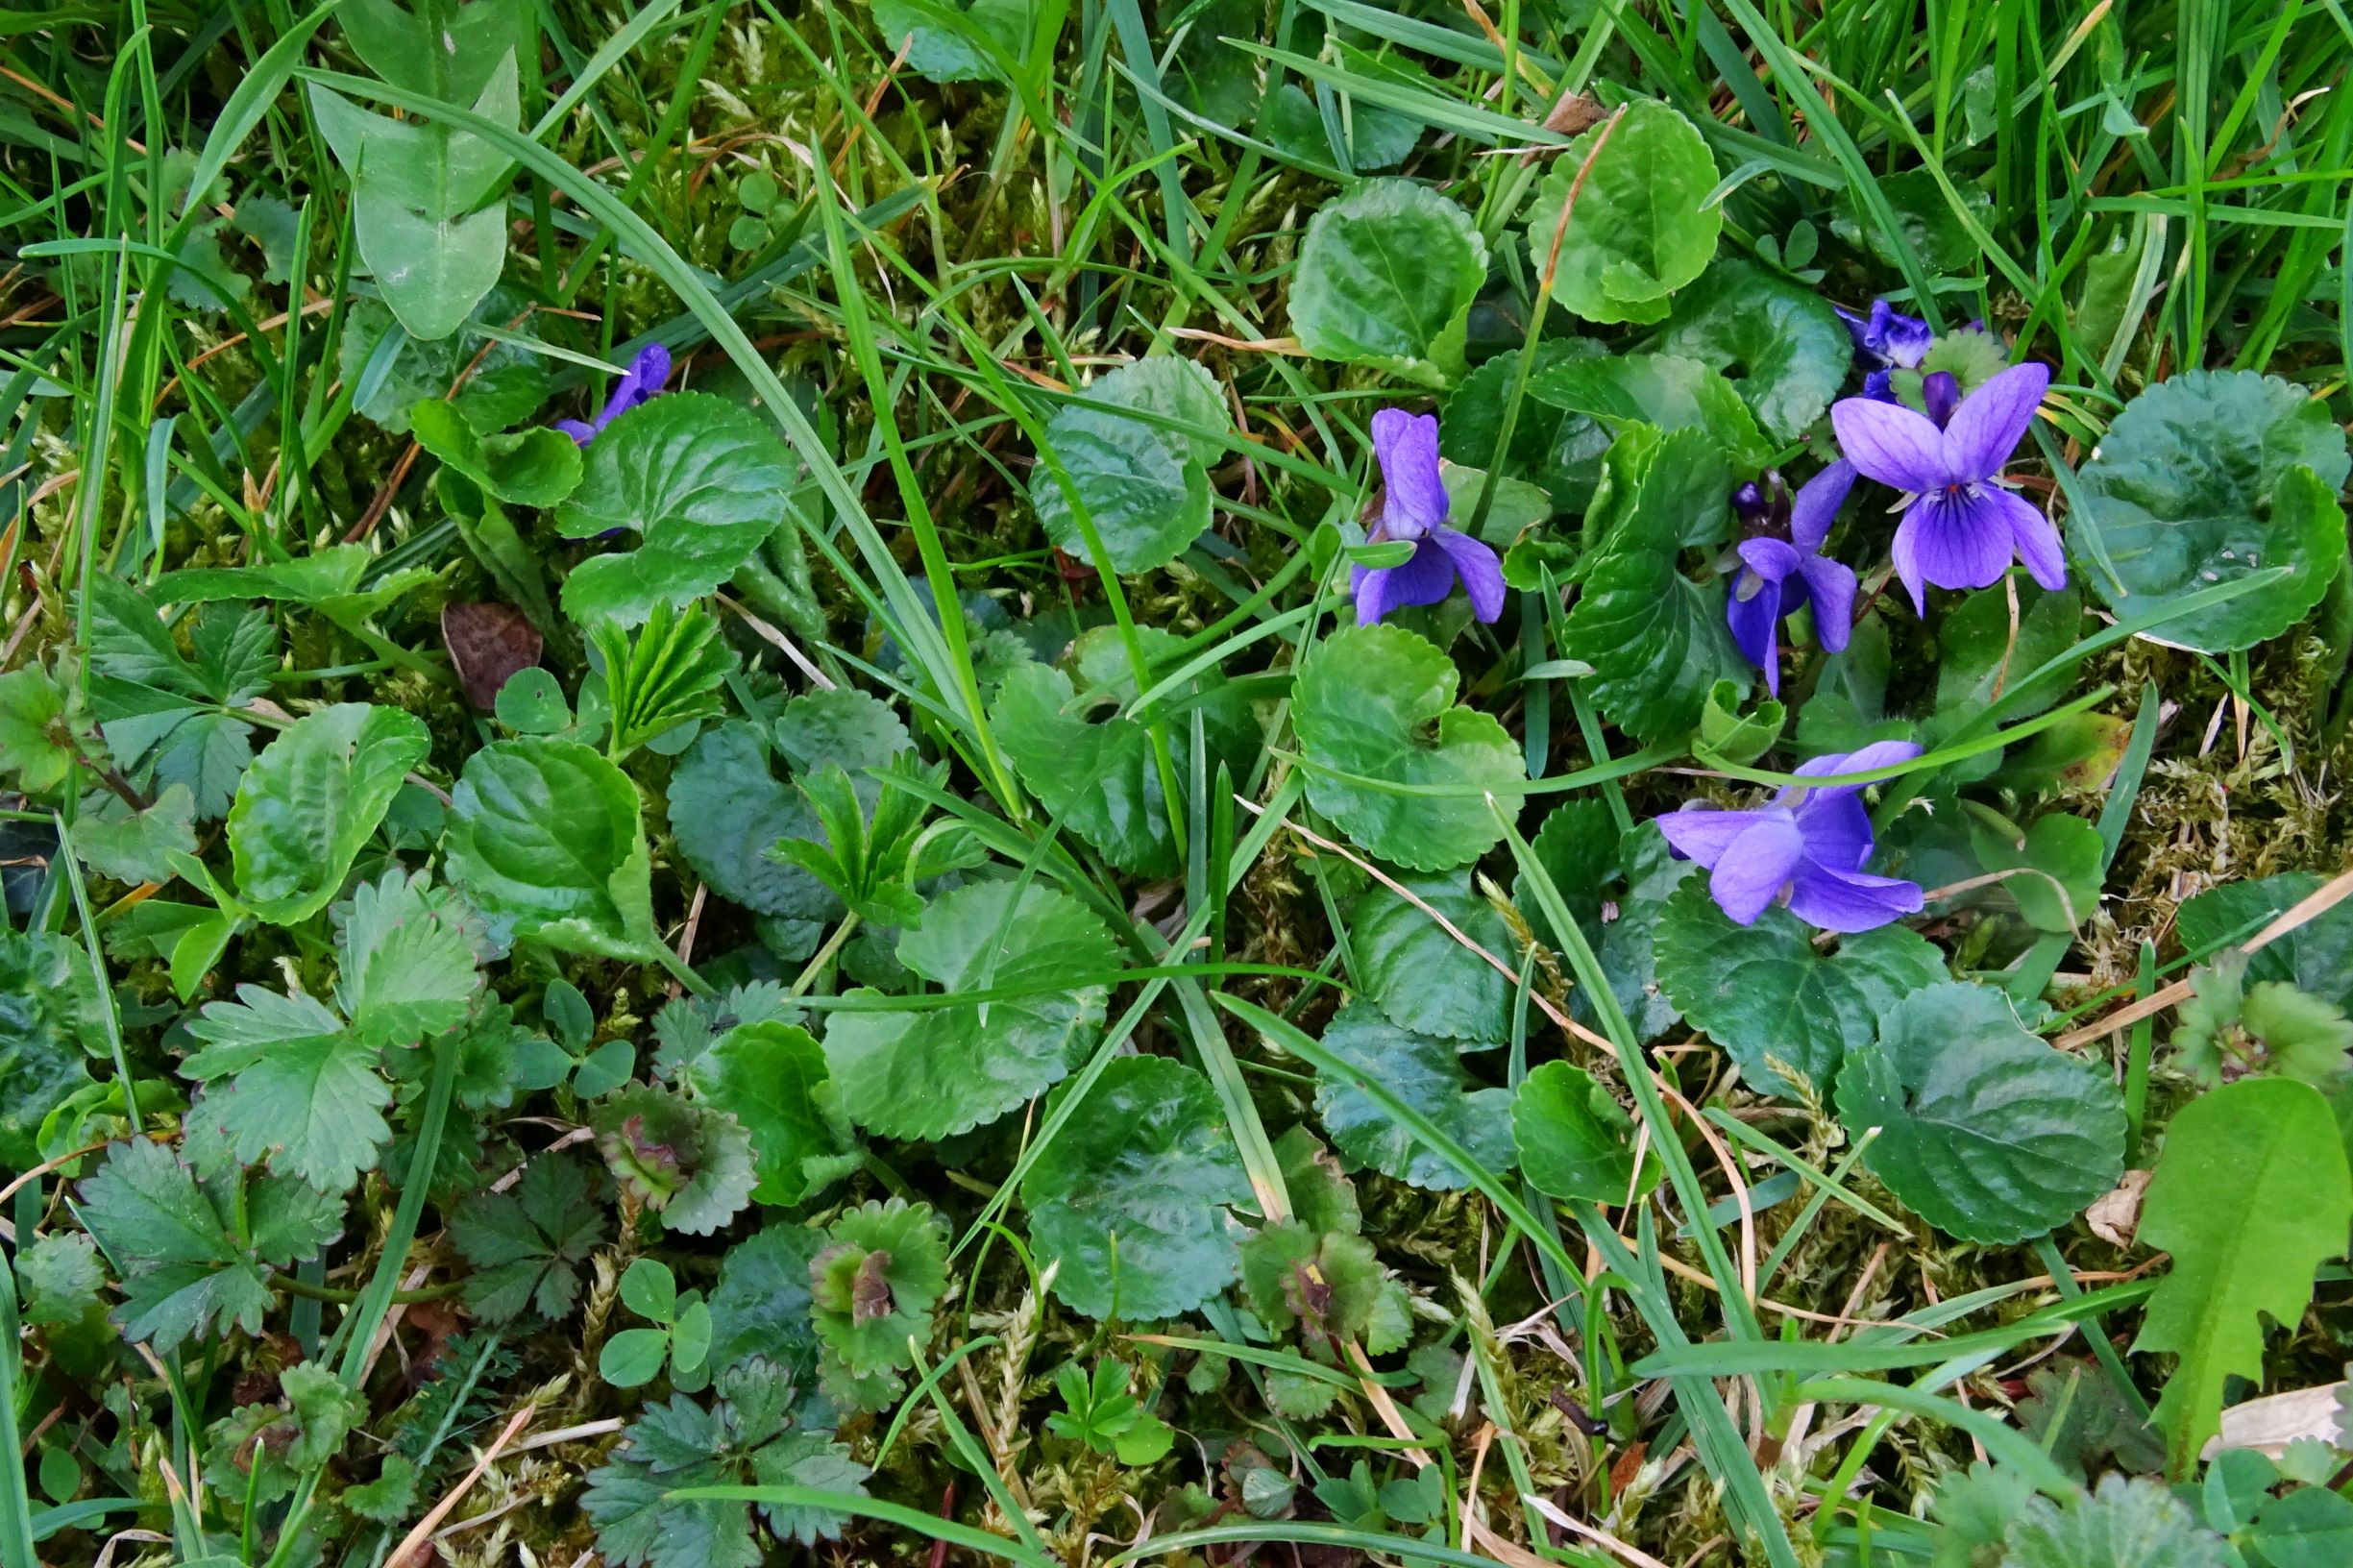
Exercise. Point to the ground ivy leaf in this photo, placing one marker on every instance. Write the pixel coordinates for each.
(1366, 706)
(1572, 1139)
(1419, 974)
(1145, 487)
(1656, 640)
(312, 799)
(944, 1069)
(770, 1076)
(1427, 1075)
(1129, 1201)
(1767, 994)
(1785, 348)
(301, 1089)
(2316, 957)
(546, 833)
(727, 811)
(1990, 1133)
(1386, 275)
(2250, 1196)
(1643, 224)
(700, 479)
(2197, 482)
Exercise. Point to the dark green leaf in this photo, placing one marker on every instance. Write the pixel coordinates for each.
(1427, 1075)
(1783, 346)
(1642, 227)
(770, 1077)
(1420, 976)
(546, 833)
(1572, 1139)
(1386, 275)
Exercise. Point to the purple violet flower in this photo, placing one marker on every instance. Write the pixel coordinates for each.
(1961, 528)
(1807, 845)
(640, 382)
(1885, 340)
(1779, 575)
(1414, 506)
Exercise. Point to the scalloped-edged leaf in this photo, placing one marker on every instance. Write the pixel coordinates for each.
(771, 1077)
(1145, 487)
(1130, 1197)
(2206, 479)
(700, 481)
(1572, 1139)
(1783, 346)
(1643, 226)
(933, 1070)
(1386, 275)
(1989, 1131)
(1665, 390)
(1375, 707)
(312, 799)
(407, 966)
(2316, 956)
(1768, 995)
(547, 834)
(728, 811)
(1420, 976)
(1557, 450)
(1425, 1074)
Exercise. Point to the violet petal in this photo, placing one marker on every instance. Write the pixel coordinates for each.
(1477, 565)
(1817, 505)
(1850, 902)
(1890, 443)
(1703, 833)
(1986, 429)
(1753, 870)
(1406, 447)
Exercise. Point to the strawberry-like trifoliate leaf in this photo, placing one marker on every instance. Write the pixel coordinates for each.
(301, 1089)
(406, 961)
(872, 1289)
(528, 1246)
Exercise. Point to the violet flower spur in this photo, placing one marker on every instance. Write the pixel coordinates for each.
(1779, 575)
(1807, 846)
(1961, 528)
(1885, 340)
(640, 382)
(1413, 508)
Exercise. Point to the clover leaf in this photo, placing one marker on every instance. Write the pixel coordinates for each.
(312, 799)
(1128, 1203)
(930, 1071)
(1427, 1075)
(1643, 226)
(545, 834)
(701, 481)
(1145, 487)
(1787, 1011)
(2209, 477)
(1386, 275)
(1374, 707)
(1990, 1133)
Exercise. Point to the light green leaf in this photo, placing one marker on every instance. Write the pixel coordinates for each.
(406, 966)
(185, 1274)
(1129, 1200)
(1377, 703)
(1642, 227)
(1774, 1001)
(538, 467)
(938, 34)
(1145, 487)
(1670, 393)
(2310, 1527)
(771, 1077)
(1572, 1139)
(873, 1285)
(546, 833)
(2128, 1523)
(33, 730)
(327, 580)
(1990, 1133)
(2205, 479)
(312, 802)
(302, 1089)
(130, 846)
(1427, 1075)
(1786, 350)
(943, 1070)
(701, 481)
(1386, 275)
(2250, 1196)
(1420, 976)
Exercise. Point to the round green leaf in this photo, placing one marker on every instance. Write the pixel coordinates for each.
(1374, 707)
(312, 799)
(1128, 1201)
(2206, 479)
(771, 1077)
(944, 1069)
(728, 811)
(1427, 1075)
(634, 1358)
(1145, 487)
(1781, 1005)
(1783, 346)
(2310, 1527)
(649, 1289)
(1574, 1140)
(1643, 226)
(1386, 275)
(1991, 1134)
(1420, 976)
(701, 481)
(546, 833)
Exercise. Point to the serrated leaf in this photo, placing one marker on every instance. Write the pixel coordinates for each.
(301, 1089)
(771, 1077)
(1572, 1139)
(1769, 995)
(327, 579)
(1374, 707)
(407, 968)
(33, 725)
(1427, 1075)
(546, 833)
(1386, 275)
(528, 1246)
(1642, 227)
(1784, 346)
(1145, 487)
(312, 802)
(2316, 957)
(132, 846)
(945, 1070)
(1552, 448)
(2250, 1196)
(700, 481)
(2205, 479)
(690, 1162)
(872, 1289)
(60, 1277)
(1421, 977)
(850, 729)
(49, 1004)
(2125, 1524)
(1990, 1133)
(1129, 1200)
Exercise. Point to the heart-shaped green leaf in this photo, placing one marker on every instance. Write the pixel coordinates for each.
(929, 1072)
(1129, 1200)
(728, 811)
(1375, 707)
(1670, 392)
(1642, 227)
(1424, 979)
(312, 799)
(1145, 487)
(1427, 1075)
(547, 834)
(1781, 1005)
(1785, 348)
(1991, 1134)
(2206, 479)
(701, 481)
(1554, 449)
(1386, 275)
(1572, 1139)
